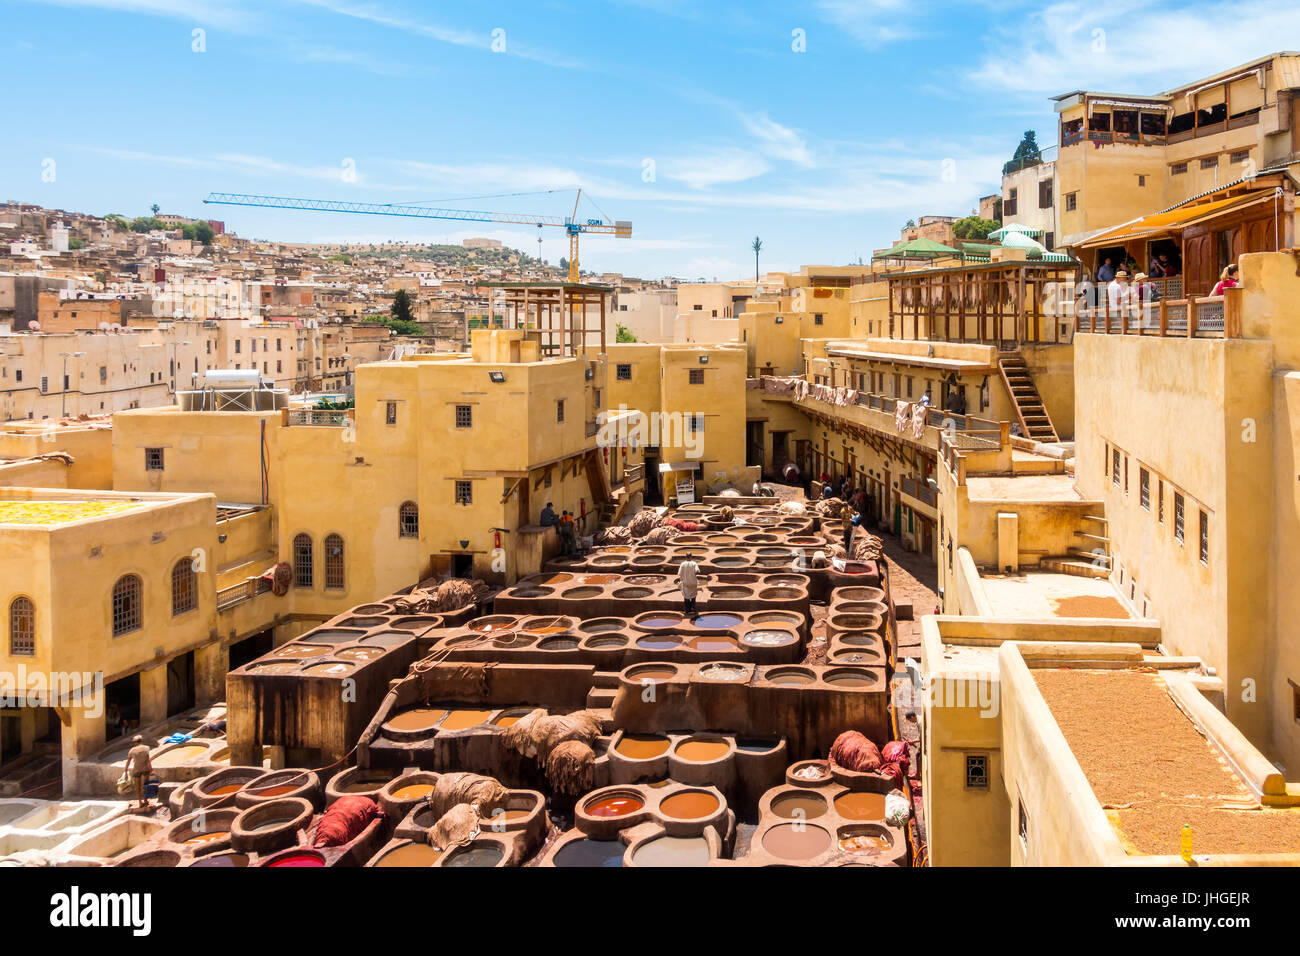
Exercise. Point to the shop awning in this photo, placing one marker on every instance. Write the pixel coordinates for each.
(1173, 220)
(668, 466)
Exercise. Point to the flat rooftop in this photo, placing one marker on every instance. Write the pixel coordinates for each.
(59, 512)
(1050, 595)
(1152, 770)
(1046, 488)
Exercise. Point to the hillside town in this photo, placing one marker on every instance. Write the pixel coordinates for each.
(977, 553)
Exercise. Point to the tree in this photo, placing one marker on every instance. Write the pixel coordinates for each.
(154, 209)
(757, 246)
(910, 224)
(187, 231)
(564, 264)
(1027, 154)
(401, 307)
(973, 227)
(623, 334)
(203, 232)
(118, 222)
(146, 224)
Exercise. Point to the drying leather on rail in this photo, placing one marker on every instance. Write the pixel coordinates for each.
(456, 827)
(536, 734)
(453, 680)
(853, 751)
(570, 768)
(485, 794)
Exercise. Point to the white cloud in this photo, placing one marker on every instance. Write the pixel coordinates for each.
(227, 14)
(872, 23)
(1131, 46)
(777, 140)
(711, 168)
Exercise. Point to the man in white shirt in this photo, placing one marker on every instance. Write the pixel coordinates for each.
(1115, 290)
(688, 576)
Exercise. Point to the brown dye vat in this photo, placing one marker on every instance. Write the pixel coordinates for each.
(415, 718)
(652, 672)
(546, 625)
(361, 786)
(644, 579)
(642, 746)
(509, 718)
(559, 644)
(413, 791)
(386, 638)
(614, 805)
(272, 822)
(777, 594)
(332, 636)
(602, 625)
(461, 719)
(582, 593)
(796, 841)
(555, 577)
(359, 655)
(860, 607)
(729, 593)
(860, 805)
(606, 643)
(413, 854)
(799, 805)
(768, 637)
(850, 678)
(530, 592)
(329, 669)
(722, 672)
(658, 619)
(495, 622)
(372, 609)
(632, 593)
(789, 677)
(854, 622)
(731, 562)
(859, 594)
(857, 638)
(865, 839)
(599, 578)
(300, 650)
(362, 622)
(689, 805)
(227, 789)
(775, 617)
(274, 667)
(713, 643)
(702, 751)
(857, 657)
(510, 639)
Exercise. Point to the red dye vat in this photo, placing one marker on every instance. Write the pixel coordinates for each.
(616, 806)
(298, 859)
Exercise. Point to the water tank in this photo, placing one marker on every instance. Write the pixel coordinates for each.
(232, 378)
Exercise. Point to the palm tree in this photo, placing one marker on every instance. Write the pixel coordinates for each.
(155, 208)
(757, 246)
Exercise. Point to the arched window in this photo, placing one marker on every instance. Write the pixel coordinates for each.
(185, 588)
(22, 627)
(334, 563)
(408, 520)
(127, 600)
(302, 561)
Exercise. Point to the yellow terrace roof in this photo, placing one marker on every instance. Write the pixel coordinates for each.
(58, 512)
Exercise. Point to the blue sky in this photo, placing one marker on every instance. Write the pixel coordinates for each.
(702, 123)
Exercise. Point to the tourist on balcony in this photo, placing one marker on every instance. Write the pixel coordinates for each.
(1115, 291)
(1106, 273)
(1167, 268)
(1227, 280)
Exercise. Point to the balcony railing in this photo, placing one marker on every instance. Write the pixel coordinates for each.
(243, 591)
(918, 489)
(1192, 317)
(319, 417)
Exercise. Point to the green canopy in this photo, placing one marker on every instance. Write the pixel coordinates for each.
(918, 249)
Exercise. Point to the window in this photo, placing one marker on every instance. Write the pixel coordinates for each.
(408, 520)
(596, 396)
(1022, 826)
(464, 416)
(45, 383)
(1144, 488)
(1009, 204)
(185, 590)
(1160, 501)
(390, 413)
(559, 409)
(817, 318)
(1071, 202)
(1209, 162)
(303, 561)
(279, 366)
(977, 771)
(1049, 241)
(238, 346)
(1205, 538)
(279, 345)
(465, 492)
(696, 423)
(696, 376)
(1142, 181)
(1045, 194)
(1126, 474)
(334, 563)
(1177, 169)
(103, 374)
(126, 604)
(623, 373)
(153, 459)
(22, 627)
(1239, 156)
(1114, 467)
(1178, 517)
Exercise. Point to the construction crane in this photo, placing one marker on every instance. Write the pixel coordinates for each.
(571, 226)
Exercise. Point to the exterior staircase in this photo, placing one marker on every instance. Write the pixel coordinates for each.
(1030, 410)
(1092, 558)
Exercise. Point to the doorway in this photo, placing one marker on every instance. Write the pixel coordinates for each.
(462, 565)
(180, 684)
(653, 491)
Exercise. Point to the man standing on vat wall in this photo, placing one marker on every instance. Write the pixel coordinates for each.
(688, 574)
(140, 767)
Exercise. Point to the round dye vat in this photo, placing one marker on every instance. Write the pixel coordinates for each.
(359, 655)
(673, 851)
(659, 620)
(559, 644)
(614, 805)
(367, 785)
(373, 609)
(333, 636)
(222, 859)
(227, 789)
(415, 718)
(769, 638)
(300, 650)
(652, 672)
(413, 791)
(778, 594)
(301, 858)
(796, 841)
(850, 678)
(587, 852)
(799, 805)
(529, 592)
(731, 562)
(274, 667)
(689, 805)
(336, 669)
(722, 672)
(775, 617)
(644, 579)
(510, 717)
(272, 822)
(276, 790)
(665, 642)
(497, 622)
(477, 854)
(729, 594)
(632, 593)
(363, 622)
(607, 643)
(599, 578)
(582, 593)
(756, 745)
(601, 625)
(702, 751)
(642, 746)
(179, 755)
(857, 657)
(860, 805)
(865, 839)
(857, 638)
(412, 854)
(555, 577)
(790, 677)
(713, 642)
(386, 638)
(546, 625)
(716, 622)
(461, 719)
(202, 839)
